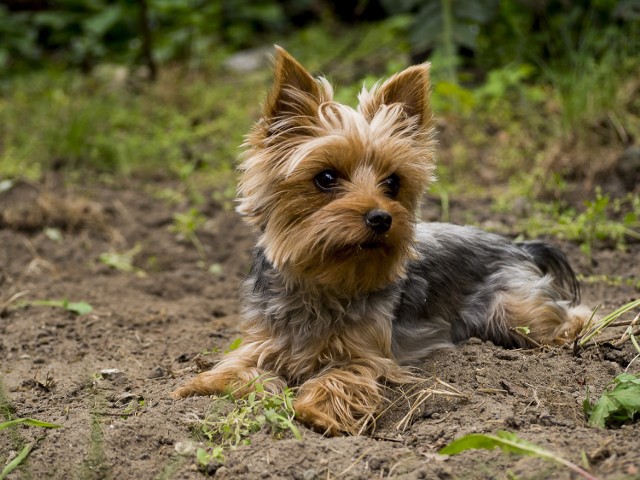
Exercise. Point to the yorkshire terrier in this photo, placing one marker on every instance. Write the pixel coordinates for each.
(347, 288)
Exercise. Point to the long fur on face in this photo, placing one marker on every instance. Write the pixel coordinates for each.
(320, 238)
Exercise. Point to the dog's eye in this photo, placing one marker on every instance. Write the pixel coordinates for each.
(326, 180)
(392, 185)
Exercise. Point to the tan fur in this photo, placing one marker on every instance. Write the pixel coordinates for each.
(322, 322)
(320, 242)
(550, 323)
(304, 132)
(339, 378)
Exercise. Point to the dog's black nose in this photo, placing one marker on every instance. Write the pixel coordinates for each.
(378, 220)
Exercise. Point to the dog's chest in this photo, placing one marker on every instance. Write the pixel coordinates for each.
(288, 309)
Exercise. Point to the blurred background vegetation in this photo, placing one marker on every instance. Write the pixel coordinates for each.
(534, 98)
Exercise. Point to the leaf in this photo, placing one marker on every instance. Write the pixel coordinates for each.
(506, 441)
(28, 421)
(627, 378)
(80, 308)
(16, 461)
(102, 21)
(202, 456)
(621, 404)
(27, 448)
(511, 443)
(234, 345)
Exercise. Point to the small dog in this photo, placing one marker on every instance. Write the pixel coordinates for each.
(346, 287)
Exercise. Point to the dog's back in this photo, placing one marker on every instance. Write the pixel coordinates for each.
(471, 283)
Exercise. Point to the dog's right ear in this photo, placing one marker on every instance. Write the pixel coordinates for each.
(295, 92)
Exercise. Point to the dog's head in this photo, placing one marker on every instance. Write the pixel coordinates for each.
(334, 190)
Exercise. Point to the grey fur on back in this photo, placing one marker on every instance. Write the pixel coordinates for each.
(447, 296)
(450, 290)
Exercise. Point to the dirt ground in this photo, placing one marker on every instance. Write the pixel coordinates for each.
(106, 376)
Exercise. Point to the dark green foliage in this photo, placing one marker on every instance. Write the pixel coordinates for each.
(84, 33)
(78, 32)
(488, 34)
(478, 35)
(430, 20)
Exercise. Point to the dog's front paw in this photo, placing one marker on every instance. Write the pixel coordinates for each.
(230, 377)
(338, 402)
(205, 383)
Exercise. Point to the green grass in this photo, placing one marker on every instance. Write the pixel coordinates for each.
(232, 421)
(122, 261)
(189, 125)
(18, 443)
(79, 308)
(593, 329)
(7, 413)
(64, 120)
(94, 463)
(26, 449)
(601, 221)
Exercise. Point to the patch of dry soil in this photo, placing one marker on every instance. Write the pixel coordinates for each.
(149, 326)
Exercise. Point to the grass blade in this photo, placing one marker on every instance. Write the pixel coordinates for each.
(11, 466)
(79, 308)
(511, 443)
(28, 421)
(606, 321)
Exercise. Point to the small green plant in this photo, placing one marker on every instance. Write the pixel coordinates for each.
(600, 221)
(593, 329)
(79, 308)
(185, 225)
(24, 453)
(134, 407)
(53, 234)
(595, 224)
(234, 345)
(249, 414)
(28, 421)
(611, 280)
(122, 261)
(509, 442)
(618, 405)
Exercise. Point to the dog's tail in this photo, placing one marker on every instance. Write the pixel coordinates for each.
(554, 262)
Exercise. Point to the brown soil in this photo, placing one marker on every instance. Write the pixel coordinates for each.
(149, 324)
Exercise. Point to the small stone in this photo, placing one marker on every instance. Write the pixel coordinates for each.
(309, 474)
(111, 373)
(186, 447)
(212, 467)
(249, 60)
(184, 357)
(157, 372)
(221, 472)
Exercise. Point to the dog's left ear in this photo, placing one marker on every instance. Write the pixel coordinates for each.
(295, 92)
(409, 88)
